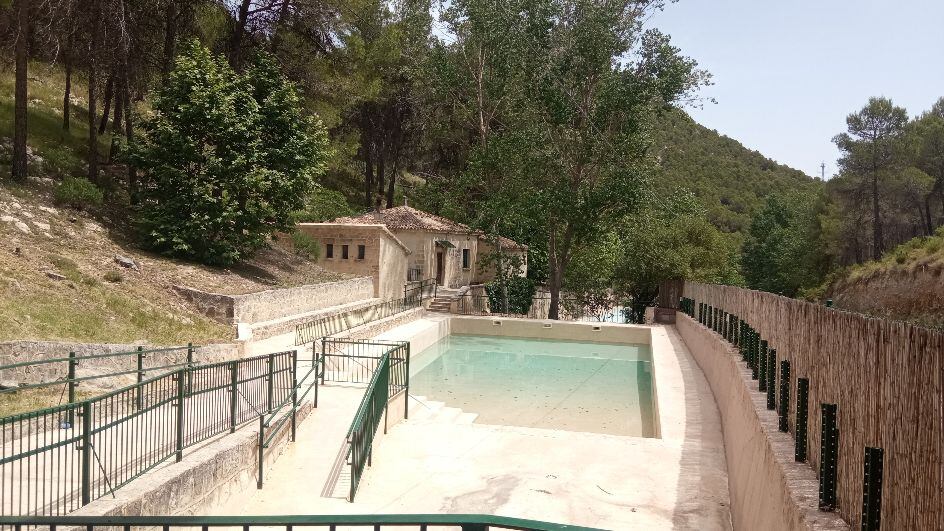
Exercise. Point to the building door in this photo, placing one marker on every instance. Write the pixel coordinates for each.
(440, 267)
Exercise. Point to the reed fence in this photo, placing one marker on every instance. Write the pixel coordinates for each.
(884, 378)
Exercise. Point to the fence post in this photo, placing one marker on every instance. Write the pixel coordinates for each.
(139, 399)
(406, 396)
(872, 489)
(294, 390)
(270, 390)
(181, 395)
(261, 443)
(71, 378)
(772, 379)
(784, 396)
(189, 366)
(86, 452)
(829, 454)
(233, 392)
(802, 416)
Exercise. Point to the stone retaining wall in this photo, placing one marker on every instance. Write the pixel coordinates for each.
(19, 351)
(768, 489)
(277, 303)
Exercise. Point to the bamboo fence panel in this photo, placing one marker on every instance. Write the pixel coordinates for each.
(886, 378)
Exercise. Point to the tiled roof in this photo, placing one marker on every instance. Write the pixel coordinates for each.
(407, 218)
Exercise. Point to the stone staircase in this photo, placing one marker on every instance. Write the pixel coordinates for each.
(441, 303)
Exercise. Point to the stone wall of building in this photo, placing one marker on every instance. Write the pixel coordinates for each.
(277, 303)
(385, 257)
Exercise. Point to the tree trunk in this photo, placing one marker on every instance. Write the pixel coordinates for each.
(170, 38)
(67, 96)
(116, 120)
(929, 222)
(125, 96)
(106, 102)
(96, 18)
(19, 166)
(236, 39)
(877, 239)
(553, 276)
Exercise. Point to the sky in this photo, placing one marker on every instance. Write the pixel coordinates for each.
(787, 73)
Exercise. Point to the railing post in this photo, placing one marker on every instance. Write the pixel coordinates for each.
(181, 395)
(233, 392)
(139, 398)
(294, 391)
(189, 367)
(71, 384)
(86, 452)
(406, 396)
(271, 389)
(261, 443)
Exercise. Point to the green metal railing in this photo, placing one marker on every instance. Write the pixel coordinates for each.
(421, 522)
(385, 367)
(55, 460)
(170, 358)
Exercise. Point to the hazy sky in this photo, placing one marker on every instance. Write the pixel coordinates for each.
(787, 73)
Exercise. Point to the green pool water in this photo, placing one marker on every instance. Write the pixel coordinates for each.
(564, 385)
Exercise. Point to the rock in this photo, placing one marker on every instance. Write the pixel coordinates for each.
(124, 261)
(55, 276)
(23, 227)
(8, 384)
(72, 219)
(49, 210)
(42, 226)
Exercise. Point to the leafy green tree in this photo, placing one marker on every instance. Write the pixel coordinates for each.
(226, 159)
(560, 119)
(780, 254)
(672, 239)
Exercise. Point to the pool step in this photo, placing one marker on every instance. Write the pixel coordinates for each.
(423, 410)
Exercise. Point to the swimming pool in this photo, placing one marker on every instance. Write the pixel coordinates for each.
(564, 385)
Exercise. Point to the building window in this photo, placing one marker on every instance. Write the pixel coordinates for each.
(329, 250)
(344, 252)
(466, 258)
(361, 251)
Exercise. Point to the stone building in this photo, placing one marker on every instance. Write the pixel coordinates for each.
(402, 244)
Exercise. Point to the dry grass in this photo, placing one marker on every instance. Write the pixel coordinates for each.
(15, 402)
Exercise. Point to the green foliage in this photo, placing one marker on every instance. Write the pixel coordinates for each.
(78, 193)
(324, 204)
(672, 239)
(305, 245)
(226, 159)
(729, 180)
(520, 294)
(113, 276)
(780, 254)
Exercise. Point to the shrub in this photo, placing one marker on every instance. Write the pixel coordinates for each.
(305, 245)
(226, 159)
(78, 192)
(113, 276)
(520, 294)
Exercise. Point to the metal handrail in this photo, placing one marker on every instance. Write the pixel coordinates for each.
(466, 522)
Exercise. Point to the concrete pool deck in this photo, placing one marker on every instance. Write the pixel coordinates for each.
(446, 463)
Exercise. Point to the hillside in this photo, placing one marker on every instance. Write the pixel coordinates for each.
(730, 179)
(59, 276)
(907, 284)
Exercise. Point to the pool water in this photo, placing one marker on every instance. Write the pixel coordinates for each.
(564, 385)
